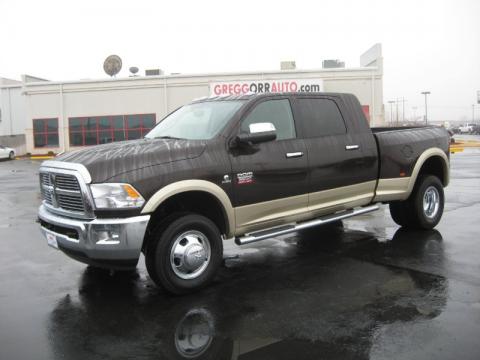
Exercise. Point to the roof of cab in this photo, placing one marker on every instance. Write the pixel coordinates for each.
(251, 96)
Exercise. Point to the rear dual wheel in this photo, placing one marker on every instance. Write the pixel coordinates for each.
(424, 208)
(184, 254)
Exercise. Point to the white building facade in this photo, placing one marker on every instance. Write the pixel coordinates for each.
(62, 116)
(12, 115)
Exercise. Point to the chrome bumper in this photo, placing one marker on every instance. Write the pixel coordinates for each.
(100, 242)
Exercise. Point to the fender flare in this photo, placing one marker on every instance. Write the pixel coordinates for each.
(194, 185)
(427, 154)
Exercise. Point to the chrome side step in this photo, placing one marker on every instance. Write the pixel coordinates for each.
(286, 229)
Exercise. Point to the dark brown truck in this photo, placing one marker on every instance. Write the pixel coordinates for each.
(244, 168)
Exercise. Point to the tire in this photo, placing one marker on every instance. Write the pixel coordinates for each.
(184, 254)
(424, 208)
(11, 156)
(399, 212)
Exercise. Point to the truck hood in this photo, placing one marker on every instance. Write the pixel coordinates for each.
(106, 161)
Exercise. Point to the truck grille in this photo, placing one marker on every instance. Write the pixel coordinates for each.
(62, 192)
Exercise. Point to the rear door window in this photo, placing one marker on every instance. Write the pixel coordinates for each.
(320, 117)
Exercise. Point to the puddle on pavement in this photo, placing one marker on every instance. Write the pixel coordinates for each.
(311, 303)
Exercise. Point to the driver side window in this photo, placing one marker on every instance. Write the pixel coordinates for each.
(277, 112)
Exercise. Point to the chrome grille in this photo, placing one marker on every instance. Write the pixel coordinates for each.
(62, 192)
(67, 182)
(45, 187)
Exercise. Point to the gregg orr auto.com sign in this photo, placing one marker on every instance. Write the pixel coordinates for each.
(265, 86)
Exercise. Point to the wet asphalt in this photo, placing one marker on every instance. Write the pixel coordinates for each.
(364, 290)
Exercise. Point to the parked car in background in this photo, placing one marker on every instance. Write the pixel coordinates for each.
(476, 129)
(7, 153)
(466, 129)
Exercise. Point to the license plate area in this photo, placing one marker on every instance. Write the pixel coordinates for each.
(51, 240)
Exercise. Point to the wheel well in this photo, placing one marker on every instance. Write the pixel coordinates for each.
(434, 165)
(198, 202)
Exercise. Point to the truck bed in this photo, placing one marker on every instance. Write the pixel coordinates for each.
(400, 147)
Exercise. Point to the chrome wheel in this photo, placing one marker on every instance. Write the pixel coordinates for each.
(431, 202)
(190, 254)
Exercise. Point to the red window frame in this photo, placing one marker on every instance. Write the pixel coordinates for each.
(111, 129)
(45, 133)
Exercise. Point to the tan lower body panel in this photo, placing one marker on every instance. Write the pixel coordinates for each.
(296, 208)
(392, 189)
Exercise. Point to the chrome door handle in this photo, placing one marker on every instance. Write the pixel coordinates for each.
(294, 154)
(352, 147)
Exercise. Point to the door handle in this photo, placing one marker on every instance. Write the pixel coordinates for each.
(294, 154)
(352, 147)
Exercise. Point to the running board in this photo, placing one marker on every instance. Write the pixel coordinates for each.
(286, 229)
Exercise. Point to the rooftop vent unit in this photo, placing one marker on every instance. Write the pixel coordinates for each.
(288, 65)
(332, 64)
(153, 72)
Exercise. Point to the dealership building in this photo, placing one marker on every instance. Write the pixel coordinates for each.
(39, 116)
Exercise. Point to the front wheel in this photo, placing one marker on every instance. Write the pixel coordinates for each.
(424, 208)
(11, 156)
(184, 255)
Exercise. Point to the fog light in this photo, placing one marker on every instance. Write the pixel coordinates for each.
(106, 234)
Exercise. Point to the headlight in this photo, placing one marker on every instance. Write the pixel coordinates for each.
(116, 196)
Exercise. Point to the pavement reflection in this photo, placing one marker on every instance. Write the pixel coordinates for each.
(317, 301)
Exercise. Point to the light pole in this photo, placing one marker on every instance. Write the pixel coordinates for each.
(396, 105)
(391, 111)
(426, 112)
(403, 110)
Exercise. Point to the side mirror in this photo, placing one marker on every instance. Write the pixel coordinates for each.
(259, 132)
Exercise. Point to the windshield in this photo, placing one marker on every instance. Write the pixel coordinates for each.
(199, 121)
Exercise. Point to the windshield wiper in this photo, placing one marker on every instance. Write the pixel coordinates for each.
(168, 137)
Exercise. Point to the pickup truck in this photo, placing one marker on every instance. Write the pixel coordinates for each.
(244, 167)
(466, 129)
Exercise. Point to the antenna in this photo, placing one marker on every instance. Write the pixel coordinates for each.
(133, 70)
(112, 65)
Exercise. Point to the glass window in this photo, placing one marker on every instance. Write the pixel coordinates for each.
(75, 124)
(320, 117)
(76, 138)
(39, 140)
(103, 123)
(91, 138)
(277, 112)
(198, 121)
(118, 122)
(52, 139)
(134, 134)
(119, 135)
(105, 129)
(90, 124)
(148, 121)
(52, 125)
(133, 121)
(45, 132)
(105, 137)
(38, 125)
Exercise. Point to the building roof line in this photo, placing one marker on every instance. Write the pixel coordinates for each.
(202, 75)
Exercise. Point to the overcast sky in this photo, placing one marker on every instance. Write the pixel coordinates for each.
(427, 45)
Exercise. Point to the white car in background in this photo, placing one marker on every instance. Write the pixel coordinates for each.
(466, 129)
(7, 153)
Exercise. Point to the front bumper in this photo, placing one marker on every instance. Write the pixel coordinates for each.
(109, 243)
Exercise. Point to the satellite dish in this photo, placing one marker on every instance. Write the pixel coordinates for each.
(133, 70)
(112, 65)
